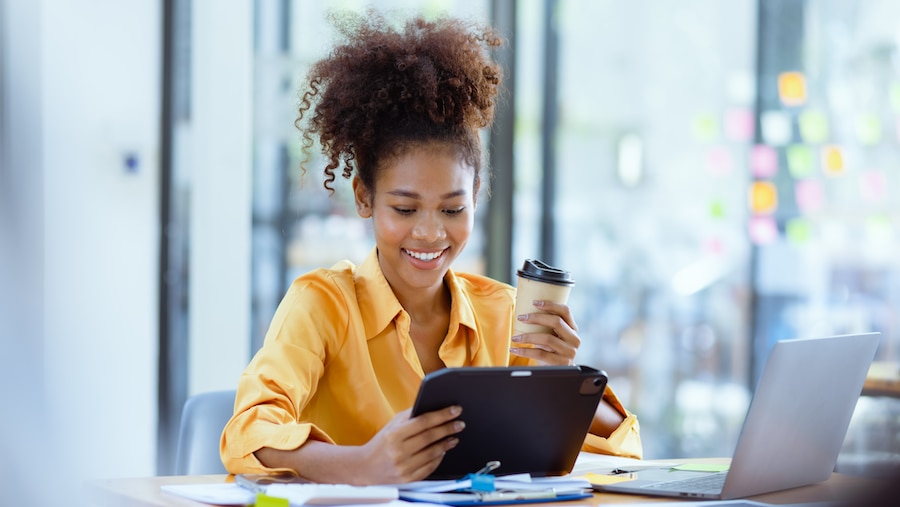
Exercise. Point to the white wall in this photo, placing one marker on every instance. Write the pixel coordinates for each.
(85, 80)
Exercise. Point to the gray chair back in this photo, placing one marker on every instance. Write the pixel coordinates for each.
(202, 420)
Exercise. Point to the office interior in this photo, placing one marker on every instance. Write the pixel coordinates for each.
(716, 174)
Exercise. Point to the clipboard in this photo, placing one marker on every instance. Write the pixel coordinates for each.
(531, 419)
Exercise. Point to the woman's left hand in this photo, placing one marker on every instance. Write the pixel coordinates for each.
(554, 347)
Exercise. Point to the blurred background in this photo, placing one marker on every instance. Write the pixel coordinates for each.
(716, 174)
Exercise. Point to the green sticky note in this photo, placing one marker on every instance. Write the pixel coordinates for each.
(813, 126)
(800, 160)
(895, 96)
(702, 467)
(868, 129)
(706, 127)
(798, 231)
(263, 500)
(717, 209)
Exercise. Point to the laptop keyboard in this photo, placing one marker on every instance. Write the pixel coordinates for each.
(708, 483)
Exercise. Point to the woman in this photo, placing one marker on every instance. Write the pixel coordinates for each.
(328, 395)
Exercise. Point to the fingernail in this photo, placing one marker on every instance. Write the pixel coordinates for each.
(516, 338)
(459, 426)
(522, 317)
(455, 410)
(538, 302)
(451, 443)
(513, 350)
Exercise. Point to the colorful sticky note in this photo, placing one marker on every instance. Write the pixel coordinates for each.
(868, 129)
(763, 161)
(832, 160)
(873, 186)
(717, 209)
(763, 230)
(263, 500)
(810, 195)
(718, 160)
(880, 228)
(740, 87)
(739, 124)
(763, 197)
(776, 128)
(895, 96)
(813, 126)
(792, 88)
(706, 128)
(798, 231)
(595, 478)
(799, 160)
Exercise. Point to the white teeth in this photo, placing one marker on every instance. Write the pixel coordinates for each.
(425, 256)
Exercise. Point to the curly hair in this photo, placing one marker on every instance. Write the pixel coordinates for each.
(385, 90)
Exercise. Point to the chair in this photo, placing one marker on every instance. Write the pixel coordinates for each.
(202, 420)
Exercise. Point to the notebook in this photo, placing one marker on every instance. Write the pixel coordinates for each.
(793, 430)
(526, 419)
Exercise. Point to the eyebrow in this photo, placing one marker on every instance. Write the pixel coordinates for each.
(416, 195)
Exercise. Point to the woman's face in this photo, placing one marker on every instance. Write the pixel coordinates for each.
(423, 211)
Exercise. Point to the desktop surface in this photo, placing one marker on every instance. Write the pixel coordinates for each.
(146, 492)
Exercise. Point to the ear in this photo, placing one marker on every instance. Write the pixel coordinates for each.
(363, 198)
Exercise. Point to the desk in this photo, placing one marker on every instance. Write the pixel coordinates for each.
(883, 379)
(145, 492)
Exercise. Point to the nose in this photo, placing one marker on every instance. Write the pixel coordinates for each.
(430, 228)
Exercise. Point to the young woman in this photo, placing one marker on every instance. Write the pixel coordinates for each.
(398, 111)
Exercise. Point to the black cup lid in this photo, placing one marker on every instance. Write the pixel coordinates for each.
(538, 271)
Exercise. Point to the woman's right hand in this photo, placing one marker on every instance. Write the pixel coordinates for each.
(410, 449)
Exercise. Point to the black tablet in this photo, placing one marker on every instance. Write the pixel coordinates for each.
(530, 419)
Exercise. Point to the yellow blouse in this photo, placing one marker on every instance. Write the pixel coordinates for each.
(338, 362)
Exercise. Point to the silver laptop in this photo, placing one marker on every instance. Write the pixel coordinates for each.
(794, 428)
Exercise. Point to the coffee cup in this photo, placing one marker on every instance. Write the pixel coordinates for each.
(538, 281)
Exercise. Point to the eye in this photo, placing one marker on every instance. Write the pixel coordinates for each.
(404, 211)
(455, 211)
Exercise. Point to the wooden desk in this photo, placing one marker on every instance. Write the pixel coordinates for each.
(883, 380)
(145, 492)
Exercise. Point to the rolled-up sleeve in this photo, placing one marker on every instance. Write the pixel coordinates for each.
(623, 441)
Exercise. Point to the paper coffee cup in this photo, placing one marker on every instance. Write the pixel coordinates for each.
(536, 280)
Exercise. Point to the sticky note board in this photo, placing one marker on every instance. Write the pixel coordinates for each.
(763, 197)
(762, 230)
(776, 128)
(800, 160)
(763, 161)
(832, 160)
(792, 88)
(813, 126)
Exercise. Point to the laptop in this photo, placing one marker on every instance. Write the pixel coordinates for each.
(794, 428)
(518, 419)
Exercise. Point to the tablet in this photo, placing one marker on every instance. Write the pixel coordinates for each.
(530, 419)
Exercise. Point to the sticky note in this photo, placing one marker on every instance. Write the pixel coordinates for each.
(798, 231)
(740, 87)
(873, 186)
(763, 161)
(792, 88)
(263, 500)
(813, 126)
(799, 160)
(702, 467)
(895, 96)
(880, 228)
(706, 128)
(868, 129)
(776, 128)
(717, 209)
(763, 197)
(718, 160)
(832, 160)
(739, 124)
(762, 230)
(606, 479)
(809, 195)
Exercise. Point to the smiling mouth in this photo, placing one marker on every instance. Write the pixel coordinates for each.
(424, 256)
